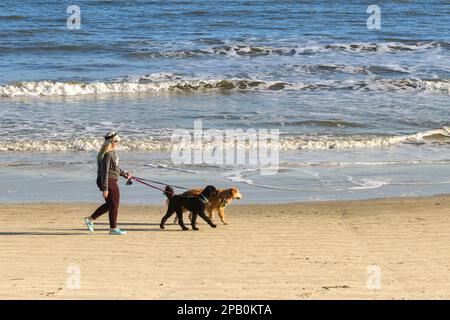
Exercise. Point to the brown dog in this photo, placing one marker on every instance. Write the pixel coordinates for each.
(216, 203)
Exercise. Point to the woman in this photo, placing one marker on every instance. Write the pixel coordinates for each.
(108, 173)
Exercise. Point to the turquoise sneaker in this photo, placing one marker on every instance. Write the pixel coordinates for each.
(89, 224)
(117, 231)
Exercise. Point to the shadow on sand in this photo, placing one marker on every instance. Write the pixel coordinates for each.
(79, 232)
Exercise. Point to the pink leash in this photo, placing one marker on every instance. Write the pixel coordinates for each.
(148, 185)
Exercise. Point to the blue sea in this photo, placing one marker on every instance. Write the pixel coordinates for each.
(362, 113)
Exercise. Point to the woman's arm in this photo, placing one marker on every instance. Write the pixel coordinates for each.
(106, 162)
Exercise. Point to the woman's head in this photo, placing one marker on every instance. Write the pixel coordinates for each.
(112, 139)
(111, 142)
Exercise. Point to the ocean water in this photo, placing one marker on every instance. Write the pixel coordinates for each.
(361, 113)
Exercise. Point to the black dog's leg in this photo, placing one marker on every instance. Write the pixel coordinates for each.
(194, 220)
(207, 219)
(169, 213)
(180, 219)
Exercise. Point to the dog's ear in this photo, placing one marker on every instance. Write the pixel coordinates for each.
(228, 194)
(209, 191)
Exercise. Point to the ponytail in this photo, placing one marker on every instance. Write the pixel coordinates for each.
(106, 147)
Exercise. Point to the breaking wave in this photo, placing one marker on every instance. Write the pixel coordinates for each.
(252, 50)
(152, 86)
(285, 143)
(351, 69)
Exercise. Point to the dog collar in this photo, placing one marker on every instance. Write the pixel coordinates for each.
(203, 199)
(223, 203)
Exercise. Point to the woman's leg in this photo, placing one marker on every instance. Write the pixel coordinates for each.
(103, 208)
(113, 201)
(100, 210)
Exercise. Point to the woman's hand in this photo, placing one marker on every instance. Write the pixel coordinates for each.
(105, 194)
(129, 176)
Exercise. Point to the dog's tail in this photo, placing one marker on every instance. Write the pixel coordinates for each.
(169, 192)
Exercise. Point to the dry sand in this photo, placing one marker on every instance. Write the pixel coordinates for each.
(287, 251)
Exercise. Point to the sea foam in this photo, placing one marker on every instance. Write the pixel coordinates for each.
(146, 85)
(288, 143)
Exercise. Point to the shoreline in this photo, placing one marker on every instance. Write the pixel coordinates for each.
(238, 203)
(305, 176)
(315, 250)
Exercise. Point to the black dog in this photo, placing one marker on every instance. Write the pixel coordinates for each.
(195, 204)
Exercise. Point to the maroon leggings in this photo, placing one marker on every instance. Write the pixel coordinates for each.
(111, 205)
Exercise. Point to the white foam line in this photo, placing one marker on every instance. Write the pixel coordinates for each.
(419, 183)
(286, 143)
(360, 163)
(163, 166)
(240, 179)
(237, 49)
(154, 85)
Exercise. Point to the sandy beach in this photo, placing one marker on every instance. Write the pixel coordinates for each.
(288, 251)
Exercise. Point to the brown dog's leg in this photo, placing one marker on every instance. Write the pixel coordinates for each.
(210, 212)
(175, 220)
(222, 215)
